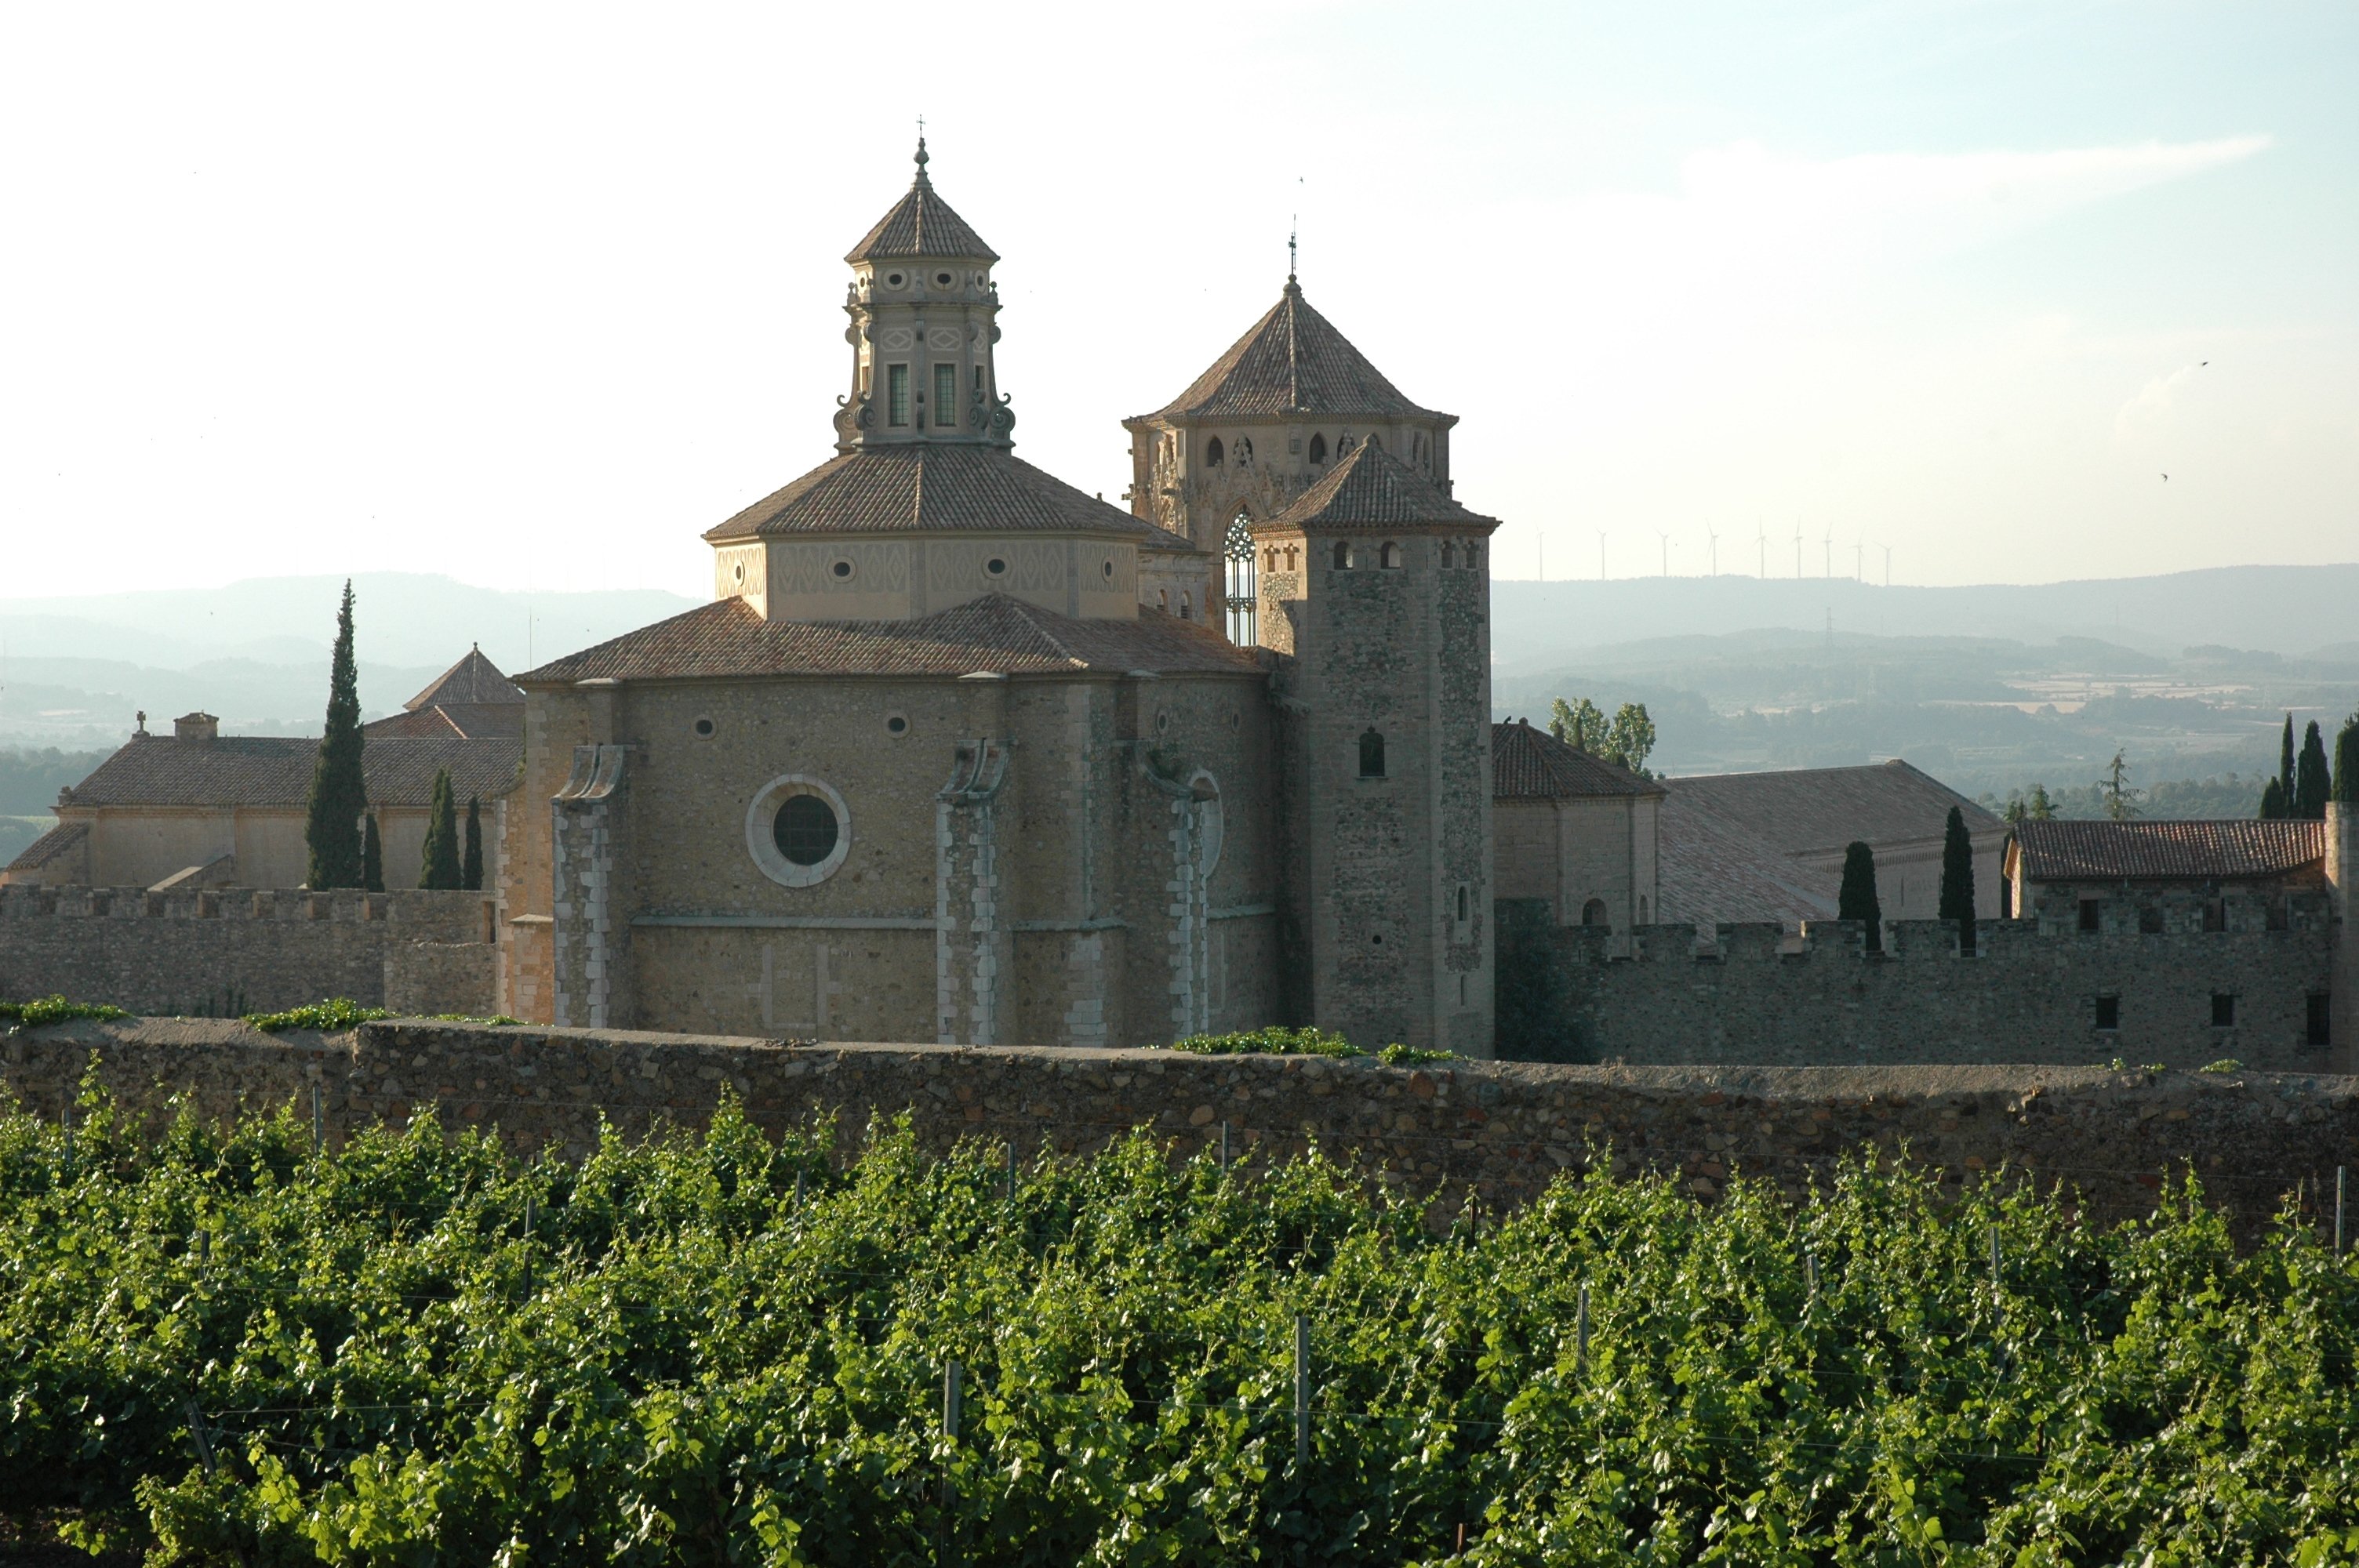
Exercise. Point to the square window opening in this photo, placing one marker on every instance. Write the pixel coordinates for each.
(2223, 1010)
(2109, 1013)
(2091, 915)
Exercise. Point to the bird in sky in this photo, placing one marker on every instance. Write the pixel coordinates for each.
(2166, 479)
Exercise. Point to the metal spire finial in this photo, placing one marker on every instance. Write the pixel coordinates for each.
(921, 159)
(1293, 228)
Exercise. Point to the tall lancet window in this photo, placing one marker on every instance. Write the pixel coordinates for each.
(1243, 594)
(897, 394)
(946, 394)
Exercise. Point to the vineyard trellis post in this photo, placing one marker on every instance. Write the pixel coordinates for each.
(65, 1121)
(1302, 1390)
(316, 1119)
(1581, 1334)
(1995, 1268)
(197, 1433)
(1810, 1275)
(2342, 1181)
(1224, 1149)
(953, 1375)
(527, 1245)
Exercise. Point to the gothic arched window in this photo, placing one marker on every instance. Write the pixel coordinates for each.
(1343, 554)
(1389, 556)
(1372, 754)
(1212, 453)
(1449, 554)
(1318, 449)
(1243, 593)
(1244, 451)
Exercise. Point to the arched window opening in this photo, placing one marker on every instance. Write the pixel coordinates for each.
(1269, 558)
(1593, 912)
(1163, 599)
(1641, 909)
(1318, 449)
(1212, 453)
(1474, 554)
(1372, 754)
(1343, 554)
(1462, 904)
(1389, 558)
(1187, 606)
(1245, 593)
(1293, 563)
(1449, 554)
(1244, 451)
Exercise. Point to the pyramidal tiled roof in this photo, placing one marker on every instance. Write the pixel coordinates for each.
(2115, 852)
(1532, 765)
(728, 638)
(473, 678)
(928, 488)
(922, 224)
(1370, 488)
(1293, 360)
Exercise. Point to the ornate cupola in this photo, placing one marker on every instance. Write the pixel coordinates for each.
(924, 316)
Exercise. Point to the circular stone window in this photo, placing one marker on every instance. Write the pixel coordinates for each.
(1108, 569)
(895, 724)
(841, 570)
(892, 280)
(943, 280)
(995, 566)
(738, 572)
(704, 728)
(798, 830)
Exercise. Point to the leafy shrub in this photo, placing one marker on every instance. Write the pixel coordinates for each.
(337, 1012)
(55, 1009)
(497, 1020)
(720, 1348)
(2225, 1064)
(1399, 1055)
(1272, 1040)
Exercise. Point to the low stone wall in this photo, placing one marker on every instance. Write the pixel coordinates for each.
(1757, 995)
(220, 950)
(1501, 1130)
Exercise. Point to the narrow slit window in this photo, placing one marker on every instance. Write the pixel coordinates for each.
(2318, 1029)
(897, 394)
(946, 394)
(1372, 754)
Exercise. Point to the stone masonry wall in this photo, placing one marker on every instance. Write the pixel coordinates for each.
(1499, 1130)
(224, 950)
(1758, 997)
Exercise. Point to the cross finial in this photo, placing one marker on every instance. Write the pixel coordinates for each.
(1293, 227)
(921, 160)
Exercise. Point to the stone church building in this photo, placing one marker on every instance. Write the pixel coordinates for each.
(959, 753)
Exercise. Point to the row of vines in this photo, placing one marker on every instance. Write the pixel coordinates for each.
(724, 1347)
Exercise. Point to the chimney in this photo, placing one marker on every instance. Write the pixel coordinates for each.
(198, 726)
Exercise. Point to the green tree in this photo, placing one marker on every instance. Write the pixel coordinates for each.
(471, 867)
(1958, 878)
(2311, 783)
(372, 857)
(2286, 766)
(440, 862)
(1857, 898)
(2121, 799)
(1580, 726)
(2040, 809)
(1631, 739)
(2272, 802)
(331, 827)
(2346, 763)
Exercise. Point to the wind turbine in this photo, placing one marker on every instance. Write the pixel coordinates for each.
(1601, 554)
(1858, 559)
(1764, 549)
(1666, 550)
(1797, 549)
(1715, 537)
(1830, 541)
(1888, 565)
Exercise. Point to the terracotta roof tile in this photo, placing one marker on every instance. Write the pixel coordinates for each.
(1532, 765)
(469, 720)
(1712, 870)
(1293, 360)
(58, 842)
(728, 638)
(922, 224)
(1371, 488)
(268, 770)
(1801, 810)
(923, 488)
(2132, 851)
(473, 679)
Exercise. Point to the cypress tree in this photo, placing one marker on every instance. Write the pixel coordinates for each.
(471, 868)
(2311, 784)
(2272, 802)
(2285, 768)
(339, 799)
(1958, 879)
(2040, 808)
(1857, 898)
(2346, 763)
(372, 857)
(440, 862)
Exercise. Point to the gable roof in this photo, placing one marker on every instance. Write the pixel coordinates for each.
(54, 845)
(1532, 765)
(1805, 810)
(995, 632)
(1711, 871)
(922, 488)
(922, 224)
(467, 720)
(1371, 488)
(2195, 851)
(270, 771)
(473, 678)
(1293, 360)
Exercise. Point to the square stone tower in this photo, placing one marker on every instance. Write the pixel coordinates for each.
(1375, 596)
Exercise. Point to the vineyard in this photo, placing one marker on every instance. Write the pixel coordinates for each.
(226, 1346)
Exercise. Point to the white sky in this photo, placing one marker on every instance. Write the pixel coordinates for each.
(535, 295)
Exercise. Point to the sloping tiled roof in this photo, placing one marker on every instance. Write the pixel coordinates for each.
(268, 770)
(473, 679)
(727, 637)
(1801, 810)
(922, 224)
(1293, 360)
(1711, 870)
(58, 841)
(1532, 765)
(470, 721)
(950, 487)
(1371, 488)
(2204, 851)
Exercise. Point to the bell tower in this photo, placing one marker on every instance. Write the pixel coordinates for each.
(924, 314)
